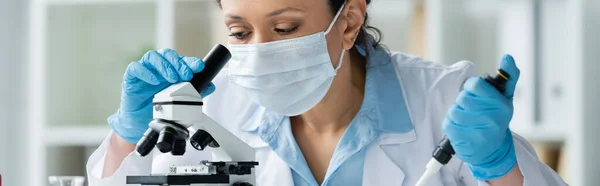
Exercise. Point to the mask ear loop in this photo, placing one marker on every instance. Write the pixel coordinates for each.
(337, 15)
(341, 60)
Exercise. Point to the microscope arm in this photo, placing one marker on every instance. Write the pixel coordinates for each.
(231, 147)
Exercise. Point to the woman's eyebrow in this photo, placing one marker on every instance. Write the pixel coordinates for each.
(236, 17)
(272, 14)
(280, 11)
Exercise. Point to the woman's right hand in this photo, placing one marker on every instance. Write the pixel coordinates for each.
(157, 70)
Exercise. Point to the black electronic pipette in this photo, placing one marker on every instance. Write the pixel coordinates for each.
(443, 152)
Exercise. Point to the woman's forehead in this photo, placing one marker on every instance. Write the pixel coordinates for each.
(268, 6)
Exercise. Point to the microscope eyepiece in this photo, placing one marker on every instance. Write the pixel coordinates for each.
(214, 61)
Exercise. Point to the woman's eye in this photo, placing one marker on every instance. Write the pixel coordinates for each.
(239, 35)
(286, 31)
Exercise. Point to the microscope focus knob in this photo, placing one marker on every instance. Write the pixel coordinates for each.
(236, 170)
(241, 184)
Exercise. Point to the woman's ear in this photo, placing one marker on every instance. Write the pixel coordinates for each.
(354, 16)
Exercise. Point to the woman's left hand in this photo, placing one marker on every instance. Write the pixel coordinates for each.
(477, 125)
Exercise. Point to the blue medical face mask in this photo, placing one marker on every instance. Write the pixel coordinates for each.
(288, 77)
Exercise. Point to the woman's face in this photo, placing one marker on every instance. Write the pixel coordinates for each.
(260, 21)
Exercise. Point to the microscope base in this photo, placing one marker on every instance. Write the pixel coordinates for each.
(179, 180)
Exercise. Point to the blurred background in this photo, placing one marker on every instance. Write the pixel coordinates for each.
(61, 65)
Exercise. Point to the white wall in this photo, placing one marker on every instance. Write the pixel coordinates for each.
(89, 48)
(393, 19)
(447, 42)
(584, 144)
(592, 103)
(13, 40)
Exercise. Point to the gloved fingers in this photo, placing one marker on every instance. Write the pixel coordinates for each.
(183, 71)
(464, 140)
(509, 66)
(457, 133)
(154, 61)
(209, 90)
(470, 102)
(481, 88)
(196, 64)
(137, 71)
(463, 119)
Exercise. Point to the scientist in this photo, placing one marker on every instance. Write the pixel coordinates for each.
(323, 103)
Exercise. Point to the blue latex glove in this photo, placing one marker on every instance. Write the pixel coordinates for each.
(154, 72)
(477, 125)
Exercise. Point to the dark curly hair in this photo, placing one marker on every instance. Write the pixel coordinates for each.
(363, 34)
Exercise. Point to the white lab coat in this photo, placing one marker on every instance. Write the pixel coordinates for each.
(393, 159)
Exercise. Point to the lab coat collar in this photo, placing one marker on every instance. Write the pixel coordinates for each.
(391, 105)
(379, 164)
(384, 98)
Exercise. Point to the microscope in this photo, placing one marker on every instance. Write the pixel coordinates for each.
(179, 107)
